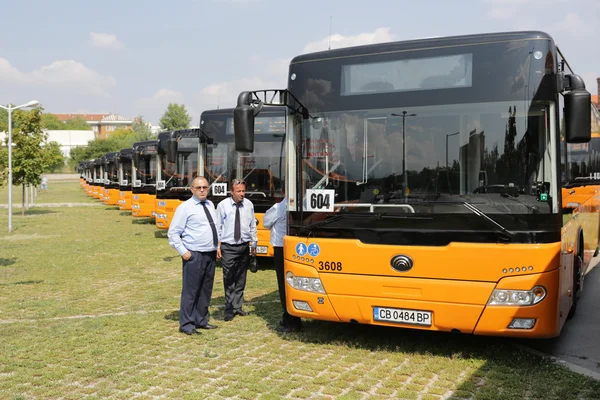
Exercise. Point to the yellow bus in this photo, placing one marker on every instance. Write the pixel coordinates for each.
(143, 178)
(424, 184)
(582, 172)
(98, 177)
(124, 161)
(180, 159)
(262, 170)
(111, 179)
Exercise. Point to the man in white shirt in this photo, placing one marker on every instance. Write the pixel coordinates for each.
(275, 219)
(236, 224)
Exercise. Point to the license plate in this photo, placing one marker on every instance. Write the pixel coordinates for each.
(261, 249)
(402, 316)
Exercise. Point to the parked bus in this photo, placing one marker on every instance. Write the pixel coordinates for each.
(262, 170)
(111, 179)
(143, 178)
(124, 160)
(98, 187)
(424, 184)
(177, 166)
(582, 173)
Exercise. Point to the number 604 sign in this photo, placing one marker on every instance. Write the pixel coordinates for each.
(319, 200)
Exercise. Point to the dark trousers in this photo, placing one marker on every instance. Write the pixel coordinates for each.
(235, 259)
(288, 320)
(198, 277)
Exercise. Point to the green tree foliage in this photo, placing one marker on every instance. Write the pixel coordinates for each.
(54, 159)
(175, 117)
(51, 122)
(119, 139)
(141, 129)
(32, 156)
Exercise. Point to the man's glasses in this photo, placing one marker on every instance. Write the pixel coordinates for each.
(200, 187)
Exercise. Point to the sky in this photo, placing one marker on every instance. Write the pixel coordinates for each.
(133, 57)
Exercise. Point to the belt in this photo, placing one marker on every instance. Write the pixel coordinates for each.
(236, 245)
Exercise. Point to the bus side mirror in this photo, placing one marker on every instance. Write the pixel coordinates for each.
(578, 112)
(171, 151)
(243, 123)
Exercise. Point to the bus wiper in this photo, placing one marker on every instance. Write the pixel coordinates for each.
(480, 213)
(533, 209)
(326, 221)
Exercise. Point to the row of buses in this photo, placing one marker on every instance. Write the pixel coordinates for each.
(446, 184)
(153, 177)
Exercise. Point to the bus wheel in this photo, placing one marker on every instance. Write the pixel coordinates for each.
(576, 285)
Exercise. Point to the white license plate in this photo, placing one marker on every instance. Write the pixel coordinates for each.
(402, 316)
(261, 249)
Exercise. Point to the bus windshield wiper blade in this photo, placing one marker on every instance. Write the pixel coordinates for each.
(326, 221)
(480, 213)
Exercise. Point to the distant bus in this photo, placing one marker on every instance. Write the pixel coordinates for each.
(111, 179)
(262, 170)
(178, 165)
(143, 178)
(124, 161)
(582, 172)
(424, 184)
(98, 178)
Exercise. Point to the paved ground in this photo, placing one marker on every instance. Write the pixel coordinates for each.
(53, 205)
(579, 342)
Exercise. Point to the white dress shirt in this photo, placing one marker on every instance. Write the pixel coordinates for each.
(226, 222)
(275, 219)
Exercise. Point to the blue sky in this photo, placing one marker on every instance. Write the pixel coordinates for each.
(134, 57)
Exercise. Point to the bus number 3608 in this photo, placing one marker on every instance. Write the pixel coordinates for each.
(330, 266)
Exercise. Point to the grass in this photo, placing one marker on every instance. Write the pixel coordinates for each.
(89, 309)
(58, 192)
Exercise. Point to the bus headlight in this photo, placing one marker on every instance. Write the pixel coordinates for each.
(307, 284)
(502, 297)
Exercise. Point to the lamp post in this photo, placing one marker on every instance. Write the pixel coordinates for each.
(447, 136)
(404, 115)
(10, 109)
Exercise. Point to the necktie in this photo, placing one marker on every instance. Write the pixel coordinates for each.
(212, 224)
(237, 231)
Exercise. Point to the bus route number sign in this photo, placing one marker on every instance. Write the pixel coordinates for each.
(319, 200)
(219, 189)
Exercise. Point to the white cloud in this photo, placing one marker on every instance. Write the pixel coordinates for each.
(68, 75)
(154, 106)
(105, 40)
(338, 41)
(574, 25)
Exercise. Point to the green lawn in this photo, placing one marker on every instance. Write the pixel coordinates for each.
(58, 192)
(89, 309)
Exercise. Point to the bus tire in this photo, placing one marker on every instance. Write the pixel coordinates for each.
(576, 285)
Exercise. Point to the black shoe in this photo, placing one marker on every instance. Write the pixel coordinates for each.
(191, 332)
(208, 326)
(228, 317)
(241, 313)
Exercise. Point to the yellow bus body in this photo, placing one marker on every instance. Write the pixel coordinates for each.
(164, 211)
(264, 247)
(124, 200)
(454, 282)
(142, 205)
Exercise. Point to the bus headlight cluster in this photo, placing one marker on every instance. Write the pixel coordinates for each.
(502, 297)
(161, 216)
(307, 284)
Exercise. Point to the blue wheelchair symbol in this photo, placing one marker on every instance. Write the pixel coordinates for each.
(301, 249)
(313, 249)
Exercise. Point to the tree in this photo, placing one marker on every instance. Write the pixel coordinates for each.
(51, 122)
(175, 117)
(76, 124)
(53, 157)
(141, 129)
(119, 139)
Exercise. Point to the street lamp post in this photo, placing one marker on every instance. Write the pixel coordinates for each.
(404, 115)
(10, 109)
(447, 136)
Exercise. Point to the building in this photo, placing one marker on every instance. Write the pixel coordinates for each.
(101, 124)
(70, 139)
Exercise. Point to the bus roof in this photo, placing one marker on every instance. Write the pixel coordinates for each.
(421, 43)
